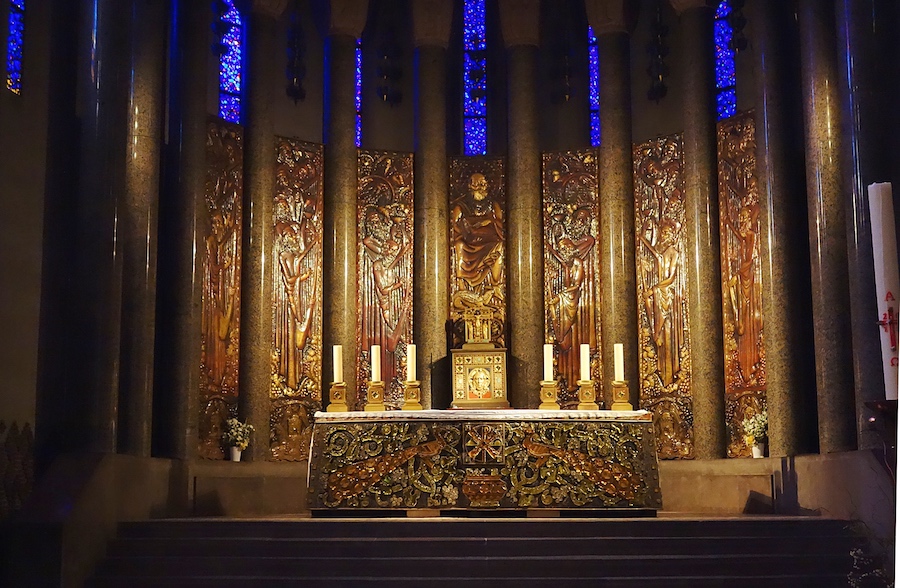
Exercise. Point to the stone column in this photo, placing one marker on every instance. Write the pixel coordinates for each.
(139, 223)
(103, 79)
(827, 227)
(255, 373)
(431, 260)
(525, 259)
(345, 24)
(862, 30)
(618, 293)
(782, 245)
(182, 210)
(701, 209)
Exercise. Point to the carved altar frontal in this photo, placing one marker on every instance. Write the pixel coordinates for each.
(483, 459)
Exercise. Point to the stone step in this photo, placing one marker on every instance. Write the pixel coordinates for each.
(460, 546)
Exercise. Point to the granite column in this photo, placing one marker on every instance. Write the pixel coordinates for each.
(618, 294)
(431, 260)
(182, 210)
(255, 372)
(139, 223)
(863, 29)
(827, 227)
(347, 19)
(525, 261)
(702, 229)
(781, 212)
(103, 81)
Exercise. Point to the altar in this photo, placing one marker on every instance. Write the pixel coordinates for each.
(483, 459)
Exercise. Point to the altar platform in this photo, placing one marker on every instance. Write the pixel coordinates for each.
(450, 460)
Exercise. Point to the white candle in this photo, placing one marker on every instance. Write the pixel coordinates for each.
(337, 358)
(411, 362)
(375, 358)
(887, 279)
(585, 361)
(619, 363)
(548, 362)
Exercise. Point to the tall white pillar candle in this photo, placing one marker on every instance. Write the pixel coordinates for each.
(619, 363)
(411, 362)
(337, 358)
(585, 362)
(375, 358)
(548, 362)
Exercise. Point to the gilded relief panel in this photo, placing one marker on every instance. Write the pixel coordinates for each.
(663, 325)
(478, 244)
(220, 298)
(385, 262)
(295, 391)
(745, 353)
(571, 265)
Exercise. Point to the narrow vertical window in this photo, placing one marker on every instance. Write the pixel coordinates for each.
(726, 98)
(474, 78)
(594, 85)
(358, 98)
(14, 46)
(231, 62)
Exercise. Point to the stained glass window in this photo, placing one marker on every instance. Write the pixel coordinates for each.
(474, 78)
(231, 62)
(726, 98)
(594, 85)
(14, 46)
(358, 97)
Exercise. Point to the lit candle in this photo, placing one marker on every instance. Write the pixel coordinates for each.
(548, 362)
(585, 362)
(619, 363)
(375, 357)
(411, 362)
(337, 355)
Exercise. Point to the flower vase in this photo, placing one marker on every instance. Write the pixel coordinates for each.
(758, 450)
(235, 453)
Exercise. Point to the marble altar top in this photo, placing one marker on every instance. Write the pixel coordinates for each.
(513, 414)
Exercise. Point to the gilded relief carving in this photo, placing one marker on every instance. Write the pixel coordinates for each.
(478, 244)
(745, 354)
(571, 265)
(663, 324)
(385, 294)
(509, 464)
(295, 391)
(220, 298)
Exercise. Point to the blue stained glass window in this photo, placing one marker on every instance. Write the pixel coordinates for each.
(358, 98)
(14, 46)
(474, 78)
(594, 85)
(726, 99)
(231, 64)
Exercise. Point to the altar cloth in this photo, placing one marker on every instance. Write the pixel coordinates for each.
(483, 459)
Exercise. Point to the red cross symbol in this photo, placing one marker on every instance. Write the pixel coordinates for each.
(888, 322)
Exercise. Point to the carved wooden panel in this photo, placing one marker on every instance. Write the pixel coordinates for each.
(745, 353)
(220, 299)
(296, 385)
(571, 265)
(478, 243)
(663, 325)
(385, 287)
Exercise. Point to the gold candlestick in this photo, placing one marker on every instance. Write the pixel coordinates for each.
(549, 395)
(337, 398)
(412, 399)
(620, 395)
(375, 397)
(587, 398)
